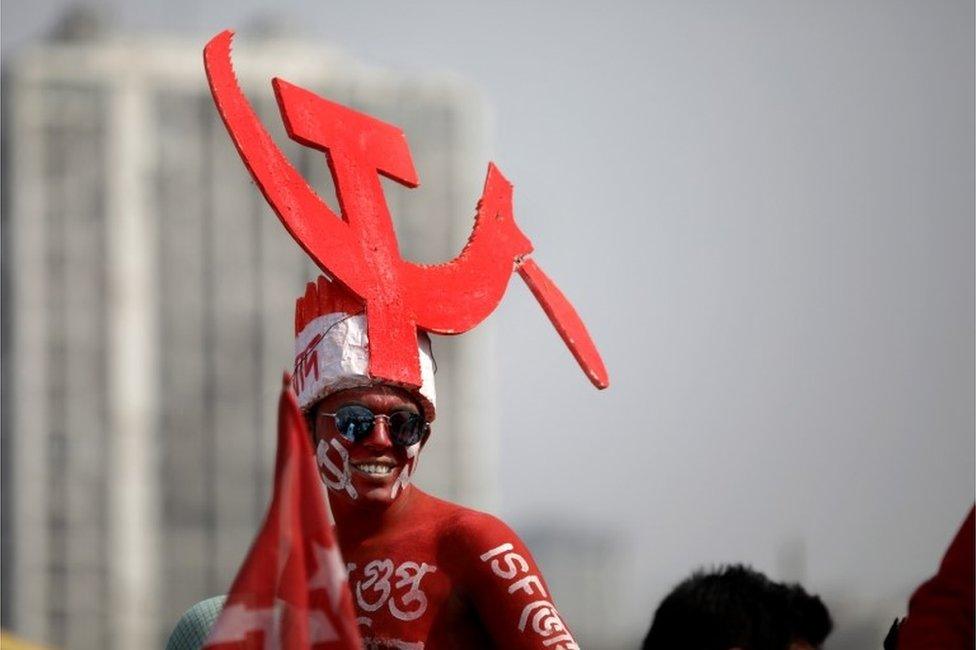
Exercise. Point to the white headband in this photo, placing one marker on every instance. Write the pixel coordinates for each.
(332, 354)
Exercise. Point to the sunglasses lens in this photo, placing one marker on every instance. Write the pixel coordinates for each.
(354, 422)
(405, 428)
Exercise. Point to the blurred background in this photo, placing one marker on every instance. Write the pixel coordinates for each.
(764, 212)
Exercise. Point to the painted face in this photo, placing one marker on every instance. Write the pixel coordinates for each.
(373, 470)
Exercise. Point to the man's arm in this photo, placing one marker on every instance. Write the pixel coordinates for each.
(506, 586)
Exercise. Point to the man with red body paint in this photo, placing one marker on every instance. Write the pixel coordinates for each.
(424, 573)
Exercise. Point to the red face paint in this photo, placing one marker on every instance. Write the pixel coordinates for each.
(373, 471)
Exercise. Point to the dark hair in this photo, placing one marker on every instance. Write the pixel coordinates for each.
(736, 606)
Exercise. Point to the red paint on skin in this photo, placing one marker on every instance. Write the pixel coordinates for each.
(422, 570)
(377, 447)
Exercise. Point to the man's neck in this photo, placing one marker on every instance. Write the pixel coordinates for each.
(359, 521)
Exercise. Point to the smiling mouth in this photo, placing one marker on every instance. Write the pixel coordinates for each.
(373, 468)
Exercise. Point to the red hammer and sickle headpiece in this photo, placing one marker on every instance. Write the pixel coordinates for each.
(360, 250)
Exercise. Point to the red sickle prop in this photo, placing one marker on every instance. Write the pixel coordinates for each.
(359, 248)
(566, 321)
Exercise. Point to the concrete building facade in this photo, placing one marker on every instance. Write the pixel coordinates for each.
(148, 301)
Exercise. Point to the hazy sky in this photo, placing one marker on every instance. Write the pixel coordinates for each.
(764, 212)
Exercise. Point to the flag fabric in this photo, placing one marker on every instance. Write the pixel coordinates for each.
(291, 591)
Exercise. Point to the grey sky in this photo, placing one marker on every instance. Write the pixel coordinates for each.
(764, 213)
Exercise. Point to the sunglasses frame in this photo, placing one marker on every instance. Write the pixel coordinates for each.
(422, 429)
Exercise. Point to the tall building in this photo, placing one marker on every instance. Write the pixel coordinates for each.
(148, 316)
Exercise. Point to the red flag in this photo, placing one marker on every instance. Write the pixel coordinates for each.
(291, 591)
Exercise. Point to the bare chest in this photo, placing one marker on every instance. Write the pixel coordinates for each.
(406, 598)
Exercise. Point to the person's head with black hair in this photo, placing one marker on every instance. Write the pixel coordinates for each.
(737, 607)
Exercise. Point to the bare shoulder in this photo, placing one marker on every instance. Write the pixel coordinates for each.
(472, 539)
(497, 574)
(466, 527)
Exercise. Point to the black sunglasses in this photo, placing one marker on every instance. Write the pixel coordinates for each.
(354, 422)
